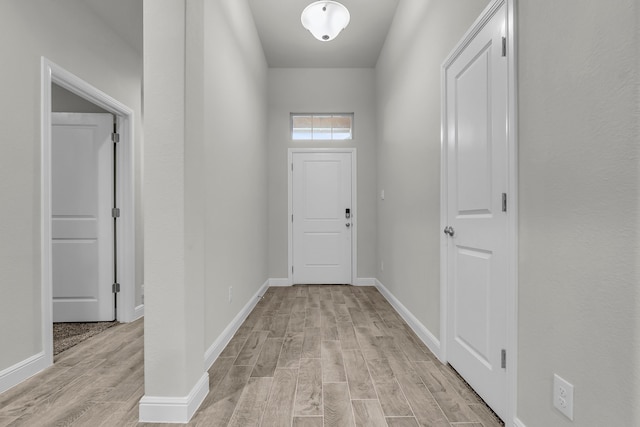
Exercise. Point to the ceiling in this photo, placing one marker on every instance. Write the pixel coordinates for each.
(287, 43)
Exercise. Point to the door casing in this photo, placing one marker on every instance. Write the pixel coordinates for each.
(53, 73)
(512, 186)
(354, 204)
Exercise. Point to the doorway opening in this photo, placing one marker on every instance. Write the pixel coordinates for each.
(84, 227)
(74, 227)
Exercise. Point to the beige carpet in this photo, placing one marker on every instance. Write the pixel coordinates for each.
(66, 335)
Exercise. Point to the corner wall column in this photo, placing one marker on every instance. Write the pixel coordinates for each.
(176, 381)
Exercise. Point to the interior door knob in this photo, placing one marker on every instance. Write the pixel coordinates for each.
(449, 231)
(348, 224)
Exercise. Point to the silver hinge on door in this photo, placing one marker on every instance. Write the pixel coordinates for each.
(291, 218)
(504, 46)
(503, 359)
(291, 167)
(504, 202)
(115, 288)
(115, 136)
(115, 212)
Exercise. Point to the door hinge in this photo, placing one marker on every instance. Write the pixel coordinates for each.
(504, 46)
(504, 202)
(292, 269)
(115, 137)
(291, 167)
(503, 359)
(115, 288)
(291, 218)
(115, 212)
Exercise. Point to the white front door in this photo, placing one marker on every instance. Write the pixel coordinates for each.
(82, 223)
(477, 177)
(322, 218)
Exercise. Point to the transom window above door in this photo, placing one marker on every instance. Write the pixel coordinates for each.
(315, 127)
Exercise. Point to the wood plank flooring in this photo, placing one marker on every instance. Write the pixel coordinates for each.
(96, 383)
(307, 356)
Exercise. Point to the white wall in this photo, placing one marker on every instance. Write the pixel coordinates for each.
(235, 114)
(206, 181)
(69, 34)
(408, 117)
(321, 90)
(579, 186)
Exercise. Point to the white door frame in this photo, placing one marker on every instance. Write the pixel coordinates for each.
(125, 195)
(512, 191)
(354, 207)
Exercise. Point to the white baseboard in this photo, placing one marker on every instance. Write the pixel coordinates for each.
(421, 331)
(138, 312)
(280, 282)
(360, 281)
(21, 371)
(518, 423)
(223, 339)
(174, 409)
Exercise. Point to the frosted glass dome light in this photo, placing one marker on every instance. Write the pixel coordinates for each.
(325, 19)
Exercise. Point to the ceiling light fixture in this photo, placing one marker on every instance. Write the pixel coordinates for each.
(325, 19)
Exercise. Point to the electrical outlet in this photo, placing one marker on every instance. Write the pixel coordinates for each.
(563, 396)
(230, 293)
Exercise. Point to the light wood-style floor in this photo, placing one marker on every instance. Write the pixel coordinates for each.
(96, 383)
(306, 356)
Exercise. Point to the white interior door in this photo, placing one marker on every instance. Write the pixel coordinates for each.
(477, 177)
(322, 229)
(82, 225)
